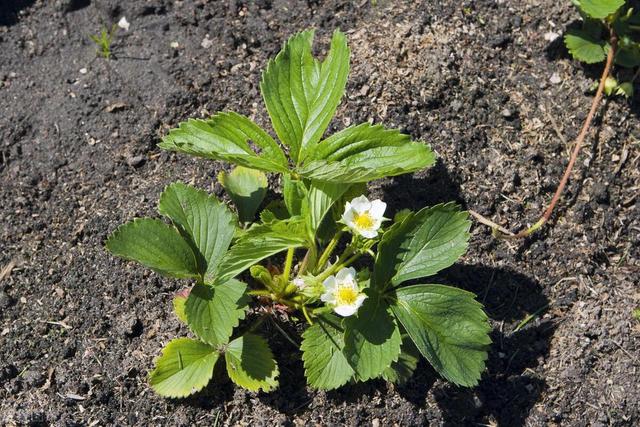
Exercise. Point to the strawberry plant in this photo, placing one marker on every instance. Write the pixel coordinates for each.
(356, 279)
(610, 33)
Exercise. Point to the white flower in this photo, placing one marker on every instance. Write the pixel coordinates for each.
(364, 217)
(123, 23)
(300, 283)
(342, 292)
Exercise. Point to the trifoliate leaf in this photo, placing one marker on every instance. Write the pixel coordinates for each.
(302, 93)
(363, 153)
(449, 328)
(599, 9)
(262, 241)
(204, 221)
(402, 369)
(213, 311)
(372, 339)
(250, 363)
(421, 245)
(156, 245)
(226, 137)
(247, 188)
(583, 47)
(326, 367)
(184, 367)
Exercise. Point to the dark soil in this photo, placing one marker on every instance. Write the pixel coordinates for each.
(479, 80)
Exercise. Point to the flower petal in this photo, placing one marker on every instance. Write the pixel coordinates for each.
(377, 209)
(360, 204)
(360, 300)
(369, 234)
(348, 217)
(330, 283)
(346, 274)
(345, 310)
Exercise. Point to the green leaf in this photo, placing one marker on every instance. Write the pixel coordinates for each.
(156, 245)
(262, 241)
(628, 56)
(250, 363)
(226, 137)
(184, 367)
(322, 196)
(178, 307)
(372, 339)
(599, 9)
(247, 188)
(421, 245)
(213, 311)
(584, 47)
(449, 328)
(203, 220)
(363, 153)
(402, 369)
(326, 367)
(302, 93)
(294, 193)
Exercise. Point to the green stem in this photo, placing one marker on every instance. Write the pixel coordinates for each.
(287, 264)
(338, 266)
(329, 249)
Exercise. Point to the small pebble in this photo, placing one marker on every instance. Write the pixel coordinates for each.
(555, 79)
(123, 23)
(83, 71)
(135, 161)
(206, 42)
(506, 113)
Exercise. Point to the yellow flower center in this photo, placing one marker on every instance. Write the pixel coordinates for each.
(346, 295)
(363, 220)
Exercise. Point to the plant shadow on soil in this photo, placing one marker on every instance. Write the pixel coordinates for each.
(509, 388)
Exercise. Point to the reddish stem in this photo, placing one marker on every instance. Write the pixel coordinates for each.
(576, 150)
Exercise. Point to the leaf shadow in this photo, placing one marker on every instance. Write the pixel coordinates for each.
(424, 188)
(10, 11)
(510, 387)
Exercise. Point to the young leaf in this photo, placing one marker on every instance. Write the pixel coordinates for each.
(421, 245)
(226, 137)
(250, 363)
(402, 369)
(302, 93)
(599, 9)
(184, 367)
(156, 245)
(583, 47)
(363, 153)
(213, 311)
(206, 223)
(322, 196)
(372, 339)
(294, 193)
(449, 328)
(325, 365)
(262, 241)
(247, 188)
